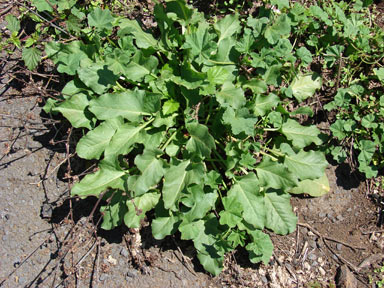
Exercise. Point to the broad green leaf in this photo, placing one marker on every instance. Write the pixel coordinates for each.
(246, 192)
(138, 206)
(304, 86)
(131, 105)
(151, 168)
(236, 238)
(118, 59)
(275, 175)
(217, 75)
(256, 85)
(305, 55)
(315, 188)
(170, 106)
(279, 215)
(203, 233)
(140, 66)
(337, 129)
(124, 138)
(281, 4)
(97, 77)
(201, 142)
(333, 53)
(13, 24)
(230, 95)
(306, 165)
(74, 109)
(143, 39)
(227, 26)
(232, 213)
(212, 265)
(273, 75)
(43, 5)
(367, 150)
(264, 104)
(69, 63)
(101, 19)
(114, 212)
(301, 136)
(240, 121)
(379, 73)
(94, 184)
(224, 55)
(281, 27)
(369, 170)
(261, 247)
(200, 43)
(199, 202)
(31, 57)
(93, 144)
(175, 180)
(164, 226)
(189, 78)
(180, 8)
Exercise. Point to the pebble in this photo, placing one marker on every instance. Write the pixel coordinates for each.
(335, 257)
(340, 217)
(322, 215)
(349, 209)
(103, 277)
(339, 246)
(312, 256)
(314, 263)
(312, 244)
(322, 271)
(264, 279)
(307, 266)
(131, 274)
(22, 280)
(124, 253)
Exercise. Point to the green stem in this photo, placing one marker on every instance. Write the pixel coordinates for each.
(266, 154)
(169, 140)
(274, 152)
(244, 171)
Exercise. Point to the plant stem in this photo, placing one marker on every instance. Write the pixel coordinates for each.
(169, 140)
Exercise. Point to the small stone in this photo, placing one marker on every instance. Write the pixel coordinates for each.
(322, 271)
(264, 279)
(131, 274)
(314, 263)
(339, 246)
(345, 278)
(349, 209)
(310, 233)
(322, 215)
(124, 253)
(103, 277)
(334, 220)
(312, 257)
(307, 266)
(357, 214)
(335, 257)
(340, 217)
(312, 244)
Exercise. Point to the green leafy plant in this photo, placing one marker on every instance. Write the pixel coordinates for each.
(191, 120)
